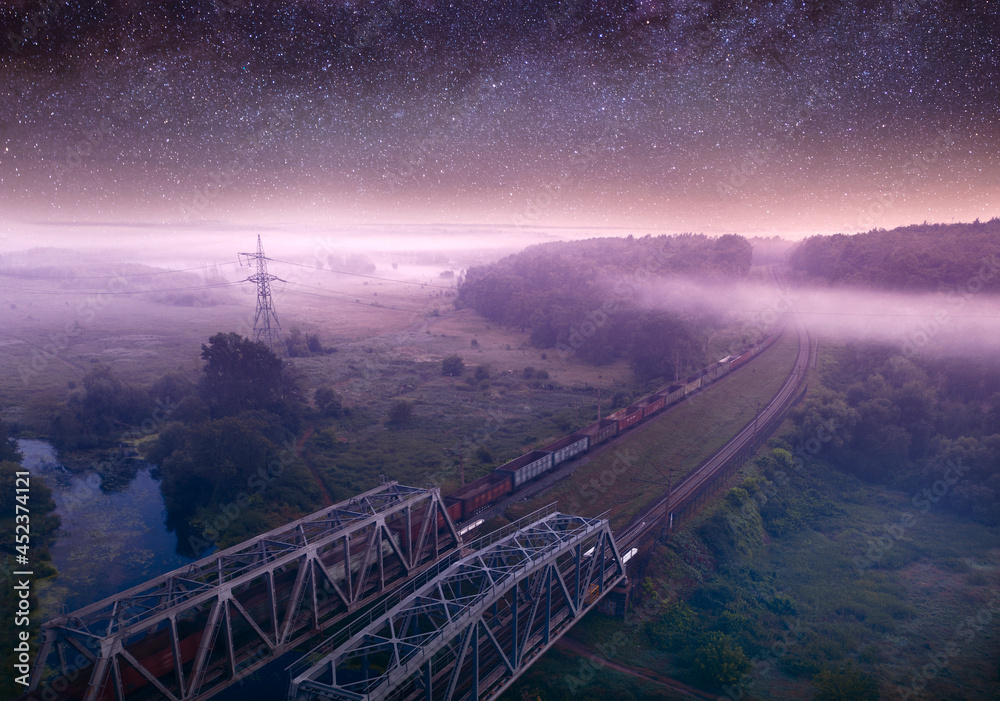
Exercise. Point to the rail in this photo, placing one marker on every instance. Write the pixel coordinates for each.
(355, 626)
(744, 443)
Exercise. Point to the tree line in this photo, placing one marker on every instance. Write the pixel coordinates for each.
(920, 257)
(580, 298)
(928, 426)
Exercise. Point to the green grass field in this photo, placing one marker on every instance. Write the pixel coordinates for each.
(792, 588)
(627, 477)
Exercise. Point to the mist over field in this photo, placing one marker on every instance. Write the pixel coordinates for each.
(258, 257)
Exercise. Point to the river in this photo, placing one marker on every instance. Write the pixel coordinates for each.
(107, 541)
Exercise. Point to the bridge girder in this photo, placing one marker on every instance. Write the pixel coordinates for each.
(471, 630)
(191, 632)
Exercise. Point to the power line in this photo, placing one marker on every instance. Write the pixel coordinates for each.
(29, 276)
(327, 294)
(362, 275)
(131, 292)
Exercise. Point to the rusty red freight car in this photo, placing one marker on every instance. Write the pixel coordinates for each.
(483, 492)
(651, 404)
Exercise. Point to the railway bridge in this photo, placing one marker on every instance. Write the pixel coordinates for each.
(190, 633)
(470, 631)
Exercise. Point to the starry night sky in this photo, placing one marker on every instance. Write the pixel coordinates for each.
(789, 118)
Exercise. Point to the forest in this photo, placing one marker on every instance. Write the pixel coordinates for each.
(922, 257)
(581, 297)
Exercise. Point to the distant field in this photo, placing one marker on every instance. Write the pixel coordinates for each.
(677, 442)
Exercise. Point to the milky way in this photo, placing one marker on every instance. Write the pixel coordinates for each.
(756, 117)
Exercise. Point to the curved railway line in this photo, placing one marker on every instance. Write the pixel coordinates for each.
(691, 488)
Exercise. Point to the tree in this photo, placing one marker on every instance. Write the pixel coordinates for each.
(720, 661)
(98, 413)
(453, 366)
(661, 340)
(242, 375)
(296, 344)
(213, 460)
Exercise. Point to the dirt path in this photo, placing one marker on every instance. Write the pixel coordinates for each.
(682, 690)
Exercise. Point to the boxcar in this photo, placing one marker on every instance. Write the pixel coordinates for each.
(715, 371)
(527, 467)
(600, 431)
(482, 492)
(568, 447)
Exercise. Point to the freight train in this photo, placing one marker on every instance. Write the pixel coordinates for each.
(475, 497)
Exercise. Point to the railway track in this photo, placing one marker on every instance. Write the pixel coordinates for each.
(692, 485)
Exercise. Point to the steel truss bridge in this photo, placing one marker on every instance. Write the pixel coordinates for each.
(194, 631)
(470, 631)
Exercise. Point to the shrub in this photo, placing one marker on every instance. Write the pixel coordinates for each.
(400, 412)
(453, 366)
(720, 661)
(847, 684)
(328, 402)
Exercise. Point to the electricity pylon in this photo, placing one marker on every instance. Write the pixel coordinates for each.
(266, 328)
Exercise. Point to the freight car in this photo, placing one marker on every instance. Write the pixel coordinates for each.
(692, 383)
(476, 495)
(627, 417)
(527, 467)
(512, 476)
(600, 431)
(651, 404)
(567, 448)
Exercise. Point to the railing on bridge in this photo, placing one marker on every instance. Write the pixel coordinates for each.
(194, 631)
(471, 630)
